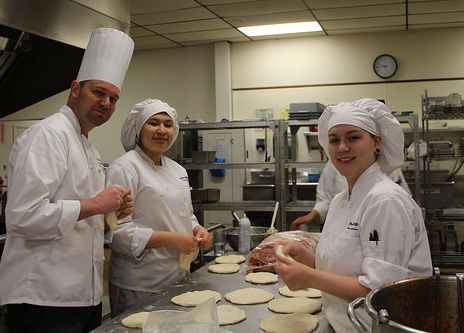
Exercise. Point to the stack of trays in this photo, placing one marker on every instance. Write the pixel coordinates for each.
(305, 111)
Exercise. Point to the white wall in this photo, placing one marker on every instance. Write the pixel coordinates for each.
(323, 69)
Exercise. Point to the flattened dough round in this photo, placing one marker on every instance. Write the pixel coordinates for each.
(230, 259)
(290, 323)
(308, 292)
(295, 305)
(193, 298)
(249, 296)
(224, 268)
(262, 277)
(229, 314)
(135, 320)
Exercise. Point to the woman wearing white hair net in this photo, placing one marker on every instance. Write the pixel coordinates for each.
(374, 231)
(147, 245)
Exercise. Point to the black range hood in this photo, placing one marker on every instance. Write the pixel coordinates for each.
(42, 43)
(33, 68)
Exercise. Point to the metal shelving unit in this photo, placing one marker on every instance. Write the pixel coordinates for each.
(437, 220)
(256, 206)
(283, 166)
(280, 166)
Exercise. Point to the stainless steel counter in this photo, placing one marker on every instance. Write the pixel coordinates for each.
(201, 279)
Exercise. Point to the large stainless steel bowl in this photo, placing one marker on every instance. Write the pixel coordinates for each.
(257, 235)
(428, 304)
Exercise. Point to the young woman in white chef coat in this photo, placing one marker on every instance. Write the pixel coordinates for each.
(374, 231)
(146, 245)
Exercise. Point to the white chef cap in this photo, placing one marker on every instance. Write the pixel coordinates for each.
(373, 117)
(106, 57)
(137, 117)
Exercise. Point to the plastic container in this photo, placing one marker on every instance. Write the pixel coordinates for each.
(313, 175)
(244, 227)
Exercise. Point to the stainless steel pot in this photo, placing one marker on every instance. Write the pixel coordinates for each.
(257, 234)
(429, 304)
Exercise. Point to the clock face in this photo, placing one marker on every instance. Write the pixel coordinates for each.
(385, 66)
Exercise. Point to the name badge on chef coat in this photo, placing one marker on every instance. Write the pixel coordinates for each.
(352, 226)
(184, 178)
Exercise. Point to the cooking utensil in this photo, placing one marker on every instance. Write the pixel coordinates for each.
(257, 234)
(273, 230)
(236, 218)
(429, 304)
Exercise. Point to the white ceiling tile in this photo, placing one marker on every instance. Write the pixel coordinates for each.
(223, 34)
(155, 6)
(319, 4)
(136, 31)
(436, 7)
(200, 25)
(181, 15)
(152, 41)
(364, 23)
(437, 18)
(257, 7)
(355, 12)
(242, 21)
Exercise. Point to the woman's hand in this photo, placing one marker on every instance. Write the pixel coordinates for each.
(185, 243)
(206, 238)
(297, 251)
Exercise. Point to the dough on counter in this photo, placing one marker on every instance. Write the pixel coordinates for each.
(262, 277)
(224, 268)
(186, 259)
(280, 252)
(249, 296)
(193, 298)
(290, 323)
(229, 314)
(295, 305)
(308, 292)
(230, 259)
(135, 320)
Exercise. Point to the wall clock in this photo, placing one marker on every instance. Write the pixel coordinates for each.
(385, 66)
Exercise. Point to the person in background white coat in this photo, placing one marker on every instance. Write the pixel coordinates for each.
(330, 183)
(51, 272)
(147, 245)
(374, 231)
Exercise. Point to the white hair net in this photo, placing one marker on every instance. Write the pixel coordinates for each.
(373, 117)
(137, 117)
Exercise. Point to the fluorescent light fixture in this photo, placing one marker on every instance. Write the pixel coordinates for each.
(278, 29)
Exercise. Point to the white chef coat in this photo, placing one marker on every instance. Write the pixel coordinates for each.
(162, 203)
(332, 182)
(50, 258)
(376, 203)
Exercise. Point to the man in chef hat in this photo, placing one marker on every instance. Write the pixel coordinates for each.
(51, 272)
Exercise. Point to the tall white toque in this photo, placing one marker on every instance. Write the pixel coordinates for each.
(106, 57)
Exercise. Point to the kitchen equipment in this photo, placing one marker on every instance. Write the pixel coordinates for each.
(236, 219)
(205, 195)
(204, 156)
(273, 230)
(429, 304)
(257, 234)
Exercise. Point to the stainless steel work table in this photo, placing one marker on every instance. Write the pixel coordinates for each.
(201, 279)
